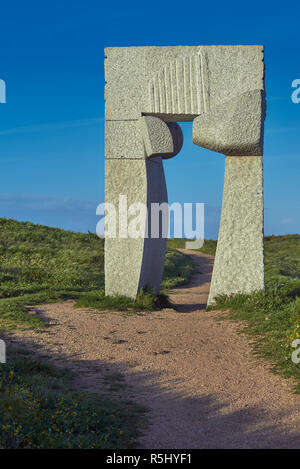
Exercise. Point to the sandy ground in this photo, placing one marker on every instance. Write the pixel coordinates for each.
(195, 373)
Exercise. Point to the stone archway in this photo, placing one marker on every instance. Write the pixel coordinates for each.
(220, 89)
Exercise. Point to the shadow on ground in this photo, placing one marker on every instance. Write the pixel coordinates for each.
(187, 421)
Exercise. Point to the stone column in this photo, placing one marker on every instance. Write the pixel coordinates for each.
(132, 263)
(235, 128)
(134, 171)
(239, 261)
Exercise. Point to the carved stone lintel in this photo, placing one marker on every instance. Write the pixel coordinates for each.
(234, 127)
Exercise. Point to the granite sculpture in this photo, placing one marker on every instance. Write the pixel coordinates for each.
(221, 90)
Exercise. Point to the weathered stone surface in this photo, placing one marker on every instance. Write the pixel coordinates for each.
(239, 261)
(138, 139)
(234, 127)
(123, 139)
(131, 263)
(222, 89)
(156, 136)
(123, 256)
(178, 83)
(2, 351)
(160, 139)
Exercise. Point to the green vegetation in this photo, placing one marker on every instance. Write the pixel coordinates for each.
(146, 301)
(209, 246)
(178, 269)
(273, 316)
(176, 243)
(39, 409)
(40, 264)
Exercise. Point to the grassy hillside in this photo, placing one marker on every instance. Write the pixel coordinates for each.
(209, 246)
(38, 407)
(39, 264)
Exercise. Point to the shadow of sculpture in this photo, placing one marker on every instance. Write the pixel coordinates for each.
(175, 418)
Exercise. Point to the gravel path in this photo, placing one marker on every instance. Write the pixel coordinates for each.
(196, 374)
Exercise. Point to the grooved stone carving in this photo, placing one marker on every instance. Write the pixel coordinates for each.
(181, 87)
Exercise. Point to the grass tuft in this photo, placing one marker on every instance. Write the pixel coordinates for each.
(146, 301)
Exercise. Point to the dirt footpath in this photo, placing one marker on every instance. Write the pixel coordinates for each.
(197, 376)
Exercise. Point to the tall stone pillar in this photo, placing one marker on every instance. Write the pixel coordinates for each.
(239, 261)
(235, 128)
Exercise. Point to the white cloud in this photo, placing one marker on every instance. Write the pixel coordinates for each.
(52, 126)
(63, 212)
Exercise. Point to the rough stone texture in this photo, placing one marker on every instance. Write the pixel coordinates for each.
(234, 127)
(145, 137)
(222, 88)
(156, 136)
(123, 139)
(178, 83)
(131, 263)
(123, 256)
(239, 261)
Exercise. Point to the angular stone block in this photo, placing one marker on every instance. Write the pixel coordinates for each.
(234, 127)
(132, 263)
(123, 139)
(160, 139)
(156, 135)
(178, 83)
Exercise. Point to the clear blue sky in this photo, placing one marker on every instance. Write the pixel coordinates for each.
(51, 128)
